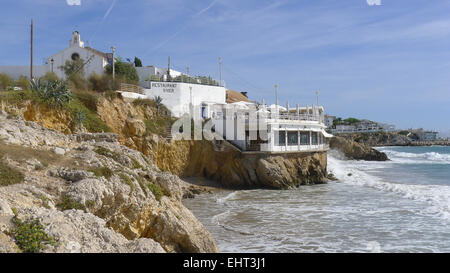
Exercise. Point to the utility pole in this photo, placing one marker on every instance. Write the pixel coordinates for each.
(276, 98)
(52, 61)
(168, 70)
(31, 52)
(220, 71)
(113, 49)
(317, 97)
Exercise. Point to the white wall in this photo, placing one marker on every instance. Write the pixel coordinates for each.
(177, 96)
(96, 65)
(145, 72)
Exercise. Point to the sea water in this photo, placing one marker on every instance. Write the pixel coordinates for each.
(401, 205)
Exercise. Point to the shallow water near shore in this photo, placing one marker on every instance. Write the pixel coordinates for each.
(402, 205)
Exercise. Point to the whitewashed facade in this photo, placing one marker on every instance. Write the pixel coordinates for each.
(95, 61)
(263, 130)
(181, 98)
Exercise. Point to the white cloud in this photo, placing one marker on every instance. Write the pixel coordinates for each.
(73, 2)
(373, 2)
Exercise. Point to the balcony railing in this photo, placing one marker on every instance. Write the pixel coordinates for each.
(131, 88)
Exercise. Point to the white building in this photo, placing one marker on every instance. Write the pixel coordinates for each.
(146, 72)
(328, 120)
(95, 61)
(181, 98)
(264, 130)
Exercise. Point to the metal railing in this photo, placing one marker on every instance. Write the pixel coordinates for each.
(131, 88)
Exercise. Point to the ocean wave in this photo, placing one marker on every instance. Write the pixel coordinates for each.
(420, 158)
(437, 196)
(228, 197)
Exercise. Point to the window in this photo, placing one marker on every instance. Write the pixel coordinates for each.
(292, 138)
(304, 138)
(314, 138)
(281, 138)
(75, 56)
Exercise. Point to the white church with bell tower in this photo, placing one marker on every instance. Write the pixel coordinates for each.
(95, 61)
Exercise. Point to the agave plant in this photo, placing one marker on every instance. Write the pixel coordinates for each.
(158, 102)
(54, 92)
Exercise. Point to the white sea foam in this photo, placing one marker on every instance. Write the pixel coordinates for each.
(436, 196)
(228, 197)
(417, 158)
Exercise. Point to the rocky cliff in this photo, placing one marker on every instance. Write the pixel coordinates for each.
(354, 150)
(234, 169)
(89, 193)
(229, 167)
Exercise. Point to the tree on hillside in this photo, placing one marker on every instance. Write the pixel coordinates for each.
(351, 120)
(124, 70)
(74, 70)
(137, 62)
(5, 81)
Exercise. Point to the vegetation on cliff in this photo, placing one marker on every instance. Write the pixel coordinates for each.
(130, 207)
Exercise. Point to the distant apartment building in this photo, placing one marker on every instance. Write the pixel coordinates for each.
(363, 126)
(430, 135)
(328, 120)
(423, 135)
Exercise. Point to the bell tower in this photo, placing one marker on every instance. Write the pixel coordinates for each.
(76, 40)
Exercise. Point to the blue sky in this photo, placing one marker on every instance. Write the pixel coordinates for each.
(388, 62)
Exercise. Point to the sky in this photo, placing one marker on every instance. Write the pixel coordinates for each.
(383, 60)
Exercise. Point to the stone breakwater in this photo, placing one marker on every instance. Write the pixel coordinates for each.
(92, 194)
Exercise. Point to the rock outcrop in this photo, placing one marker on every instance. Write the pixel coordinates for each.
(380, 139)
(233, 169)
(97, 196)
(355, 150)
(229, 167)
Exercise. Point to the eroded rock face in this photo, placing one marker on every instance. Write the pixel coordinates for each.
(355, 150)
(379, 139)
(235, 170)
(130, 205)
(76, 231)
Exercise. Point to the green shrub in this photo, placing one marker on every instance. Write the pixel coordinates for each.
(87, 98)
(5, 81)
(91, 122)
(156, 190)
(17, 97)
(50, 77)
(9, 176)
(103, 83)
(67, 203)
(127, 180)
(74, 70)
(108, 153)
(102, 171)
(125, 71)
(158, 126)
(30, 236)
(136, 164)
(23, 83)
